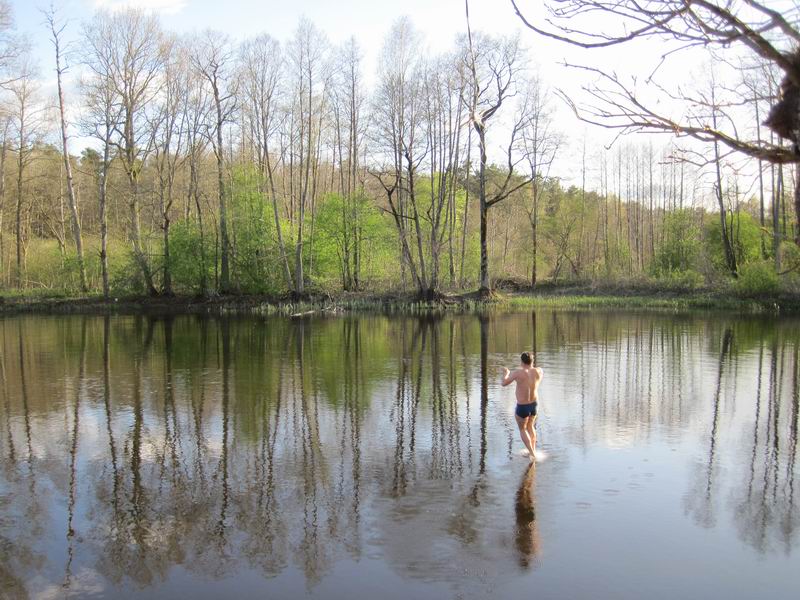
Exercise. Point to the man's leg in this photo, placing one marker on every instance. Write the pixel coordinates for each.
(523, 432)
(531, 429)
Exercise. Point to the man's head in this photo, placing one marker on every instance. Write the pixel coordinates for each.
(526, 359)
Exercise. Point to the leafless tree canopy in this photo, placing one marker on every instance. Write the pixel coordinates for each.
(744, 27)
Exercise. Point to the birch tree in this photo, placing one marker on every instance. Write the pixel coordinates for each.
(261, 64)
(28, 125)
(398, 136)
(306, 64)
(130, 46)
(168, 127)
(56, 27)
(213, 60)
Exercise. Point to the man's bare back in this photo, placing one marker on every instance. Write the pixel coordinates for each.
(527, 379)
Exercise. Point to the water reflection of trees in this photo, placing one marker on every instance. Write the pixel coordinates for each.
(760, 498)
(764, 503)
(223, 441)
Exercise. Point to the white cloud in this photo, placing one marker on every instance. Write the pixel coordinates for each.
(158, 6)
(86, 582)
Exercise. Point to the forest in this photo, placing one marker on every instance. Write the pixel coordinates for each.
(200, 164)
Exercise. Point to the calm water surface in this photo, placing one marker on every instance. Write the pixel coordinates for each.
(356, 457)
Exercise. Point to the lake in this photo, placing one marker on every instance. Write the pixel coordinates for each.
(373, 456)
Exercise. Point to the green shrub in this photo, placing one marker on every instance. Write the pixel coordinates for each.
(124, 275)
(790, 256)
(746, 239)
(680, 248)
(190, 258)
(255, 255)
(757, 278)
(681, 280)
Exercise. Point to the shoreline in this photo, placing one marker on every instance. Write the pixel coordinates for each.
(547, 296)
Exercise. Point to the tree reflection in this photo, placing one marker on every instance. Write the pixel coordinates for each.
(701, 503)
(73, 458)
(286, 445)
(527, 531)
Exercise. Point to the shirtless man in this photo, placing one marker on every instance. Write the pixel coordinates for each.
(527, 377)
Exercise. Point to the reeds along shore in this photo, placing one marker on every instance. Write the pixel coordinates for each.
(400, 304)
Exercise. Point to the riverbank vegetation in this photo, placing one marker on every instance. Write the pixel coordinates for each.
(262, 167)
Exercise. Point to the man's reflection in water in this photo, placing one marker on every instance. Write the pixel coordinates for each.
(527, 531)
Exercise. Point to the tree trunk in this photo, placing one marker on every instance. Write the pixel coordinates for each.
(167, 283)
(761, 219)
(225, 278)
(797, 201)
(485, 284)
(18, 220)
(73, 200)
(136, 231)
(287, 272)
(776, 220)
(730, 257)
(101, 195)
(534, 230)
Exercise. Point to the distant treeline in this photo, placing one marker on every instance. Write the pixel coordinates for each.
(264, 167)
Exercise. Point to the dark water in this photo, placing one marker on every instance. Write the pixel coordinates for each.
(378, 457)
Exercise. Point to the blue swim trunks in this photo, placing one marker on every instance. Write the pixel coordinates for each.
(526, 410)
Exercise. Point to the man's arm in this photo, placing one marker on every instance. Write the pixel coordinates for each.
(508, 377)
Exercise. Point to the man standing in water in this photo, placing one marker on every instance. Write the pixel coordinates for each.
(527, 378)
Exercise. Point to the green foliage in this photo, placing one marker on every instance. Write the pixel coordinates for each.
(256, 257)
(746, 239)
(44, 265)
(125, 277)
(682, 280)
(680, 250)
(189, 258)
(347, 228)
(790, 256)
(757, 278)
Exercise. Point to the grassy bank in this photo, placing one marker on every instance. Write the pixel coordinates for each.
(551, 297)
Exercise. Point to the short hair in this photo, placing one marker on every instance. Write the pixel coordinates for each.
(526, 358)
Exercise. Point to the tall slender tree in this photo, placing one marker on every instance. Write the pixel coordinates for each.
(56, 27)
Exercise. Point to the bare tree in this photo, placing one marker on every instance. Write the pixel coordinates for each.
(213, 58)
(727, 244)
(540, 144)
(347, 99)
(396, 133)
(130, 47)
(743, 28)
(168, 127)
(444, 116)
(306, 70)
(57, 27)
(494, 65)
(261, 66)
(28, 123)
(197, 108)
(5, 131)
(10, 45)
(102, 112)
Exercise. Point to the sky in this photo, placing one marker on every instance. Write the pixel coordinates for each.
(440, 22)
(368, 20)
